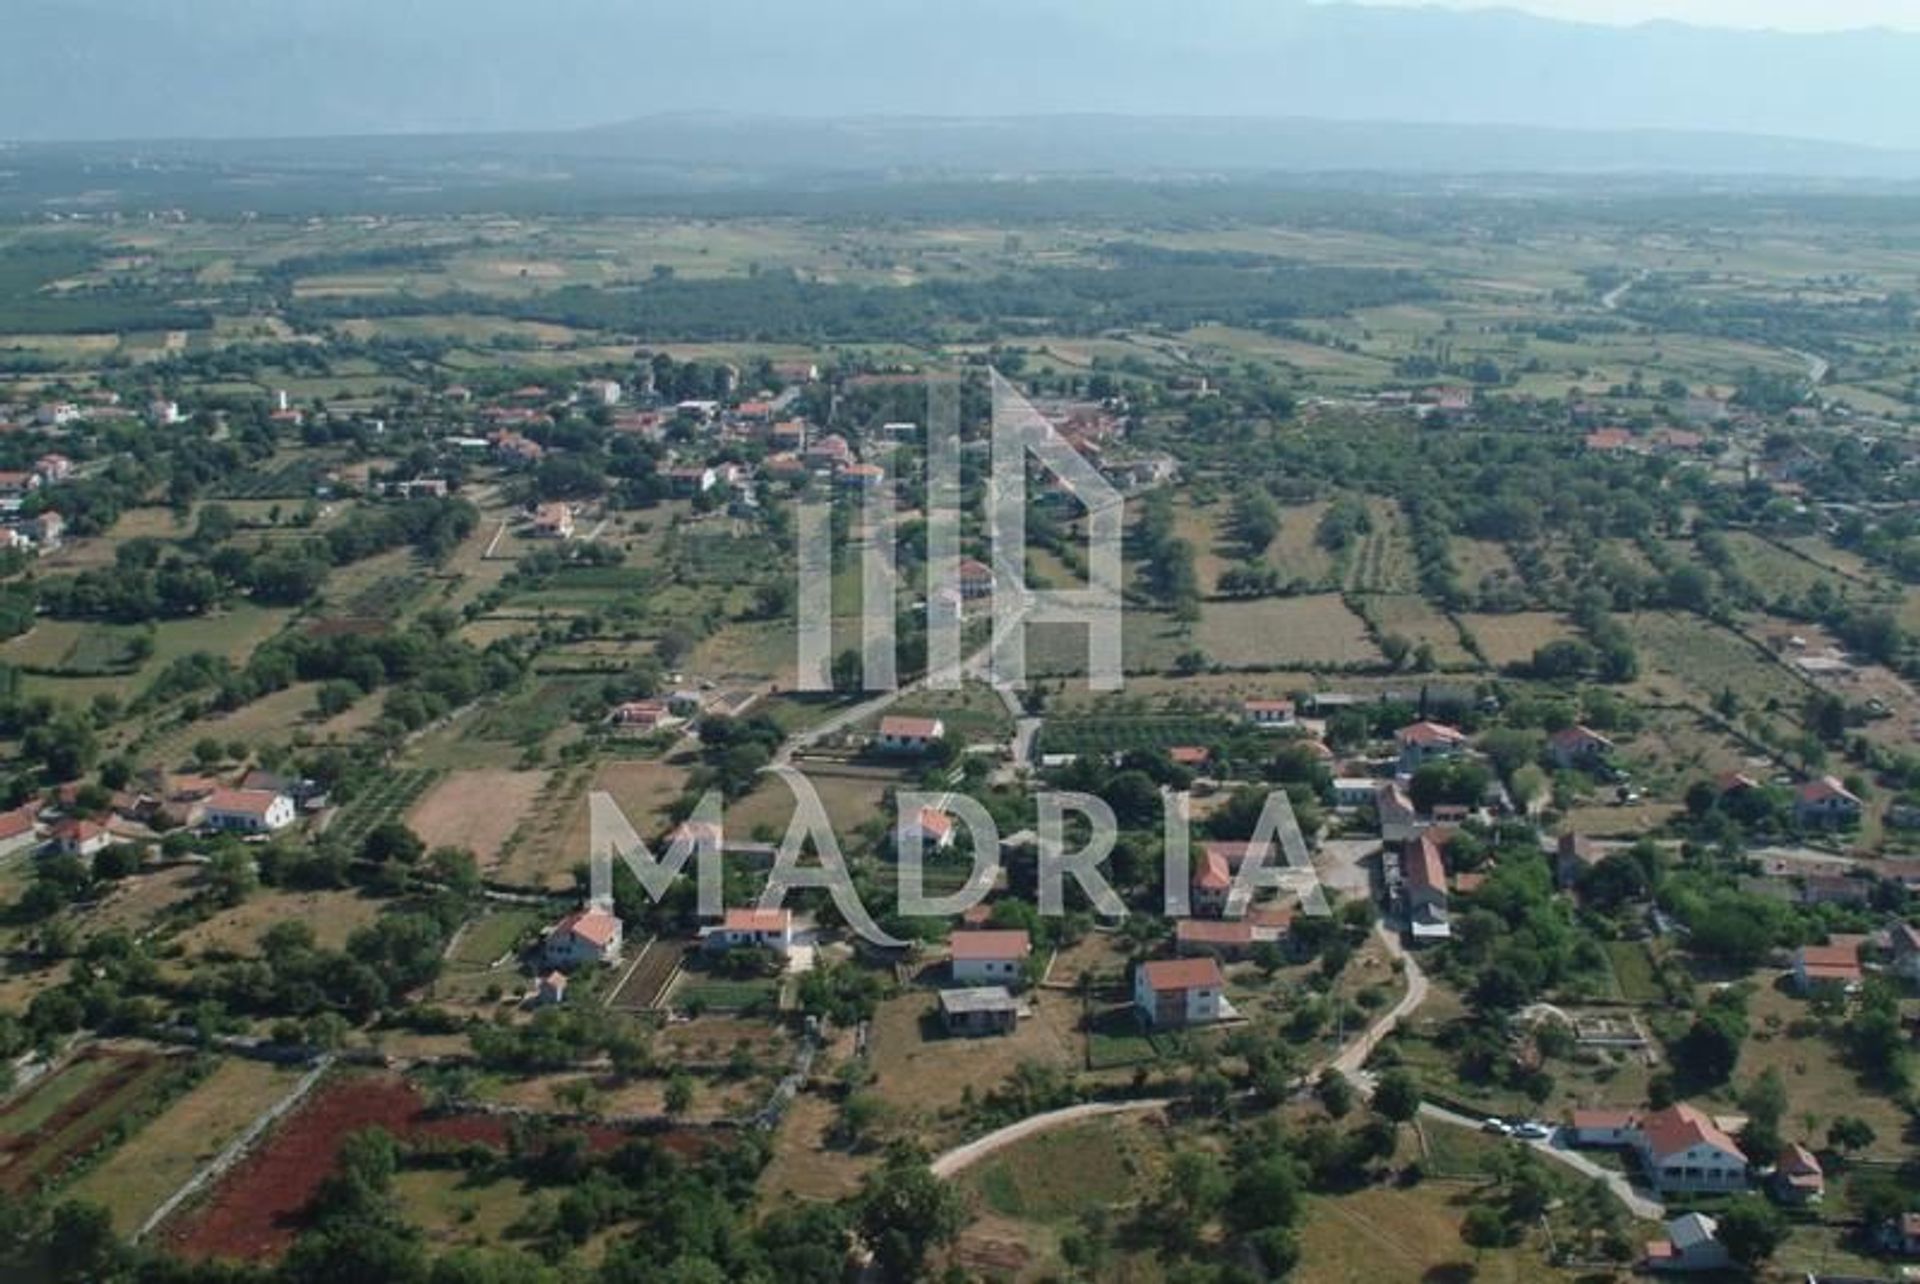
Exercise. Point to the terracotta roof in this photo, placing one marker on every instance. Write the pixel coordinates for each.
(1824, 788)
(15, 823)
(1681, 1127)
(593, 925)
(921, 728)
(1189, 755)
(1422, 864)
(934, 822)
(1575, 736)
(757, 920)
(1268, 706)
(1837, 961)
(992, 944)
(1182, 974)
(247, 802)
(1602, 1119)
(1430, 733)
(1799, 1165)
(1213, 931)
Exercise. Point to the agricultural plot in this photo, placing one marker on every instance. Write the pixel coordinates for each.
(1512, 639)
(295, 479)
(1412, 617)
(644, 986)
(1382, 560)
(551, 833)
(721, 557)
(1687, 658)
(333, 916)
(138, 1177)
(79, 1108)
(388, 798)
(1775, 570)
(1276, 633)
(1122, 733)
(972, 714)
(1298, 552)
(1482, 562)
(477, 810)
(487, 939)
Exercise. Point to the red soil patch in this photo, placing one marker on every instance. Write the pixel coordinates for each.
(77, 1125)
(258, 1208)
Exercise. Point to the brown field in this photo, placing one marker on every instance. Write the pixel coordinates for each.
(332, 915)
(922, 1074)
(851, 802)
(551, 835)
(476, 810)
(1418, 620)
(806, 1165)
(612, 1098)
(1205, 528)
(1819, 1083)
(1512, 639)
(160, 1158)
(1477, 560)
(135, 903)
(1277, 632)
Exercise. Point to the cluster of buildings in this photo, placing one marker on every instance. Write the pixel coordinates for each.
(258, 804)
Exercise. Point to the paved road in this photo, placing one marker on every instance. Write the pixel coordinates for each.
(963, 1157)
(1638, 1202)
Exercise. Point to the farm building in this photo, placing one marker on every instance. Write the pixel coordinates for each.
(1268, 713)
(1826, 802)
(1692, 1244)
(990, 957)
(985, 1009)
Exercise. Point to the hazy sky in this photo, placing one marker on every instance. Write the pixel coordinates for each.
(1784, 15)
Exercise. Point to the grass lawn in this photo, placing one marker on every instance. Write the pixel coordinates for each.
(1273, 633)
(1055, 1176)
(492, 935)
(1405, 1236)
(1414, 618)
(1512, 639)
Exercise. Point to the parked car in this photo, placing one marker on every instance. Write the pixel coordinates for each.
(1499, 1127)
(1533, 1131)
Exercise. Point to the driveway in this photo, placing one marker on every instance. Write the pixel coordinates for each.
(1638, 1202)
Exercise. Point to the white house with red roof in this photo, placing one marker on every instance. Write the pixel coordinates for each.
(19, 829)
(1578, 748)
(1268, 714)
(1178, 992)
(247, 811)
(641, 716)
(590, 935)
(900, 734)
(990, 957)
(757, 929)
(976, 579)
(553, 521)
(1425, 742)
(932, 828)
(1682, 1149)
(1826, 802)
(74, 836)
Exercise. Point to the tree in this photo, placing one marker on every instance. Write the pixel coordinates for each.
(80, 1242)
(1396, 1097)
(905, 1212)
(1335, 1093)
(1849, 1134)
(1751, 1230)
(679, 1097)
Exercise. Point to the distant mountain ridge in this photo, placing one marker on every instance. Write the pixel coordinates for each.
(97, 69)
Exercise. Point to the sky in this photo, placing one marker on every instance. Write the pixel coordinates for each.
(1781, 15)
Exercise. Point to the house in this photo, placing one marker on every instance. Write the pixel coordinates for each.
(1355, 791)
(861, 476)
(1192, 757)
(1681, 1149)
(1423, 877)
(1837, 963)
(692, 479)
(1798, 1178)
(164, 413)
(642, 716)
(1399, 818)
(760, 929)
(1835, 889)
(1220, 938)
(984, 1009)
(976, 579)
(51, 468)
(552, 989)
(590, 935)
(830, 452)
(73, 836)
(930, 827)
(553, 521)
(603, 392)
(1826, 802)
(1692, 1244)
(1426, 742)
(1578, 749)
(1903, 945)
(15, 484)
(909, 735)
(992, 957)
(19, 830)
(46, 529)
(1180, 992)
(1604, 1127)
(1267, 714)
(248, 811)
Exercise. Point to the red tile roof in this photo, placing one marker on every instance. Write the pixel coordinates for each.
(1182, 974)
(757, 920)
(1430, 733)
(991, 944)
(919, 728)
(1681, 1127)
(594, 925)
(248, 802)
(1423, 866)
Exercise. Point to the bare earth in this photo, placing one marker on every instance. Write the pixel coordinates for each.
(476, 810)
